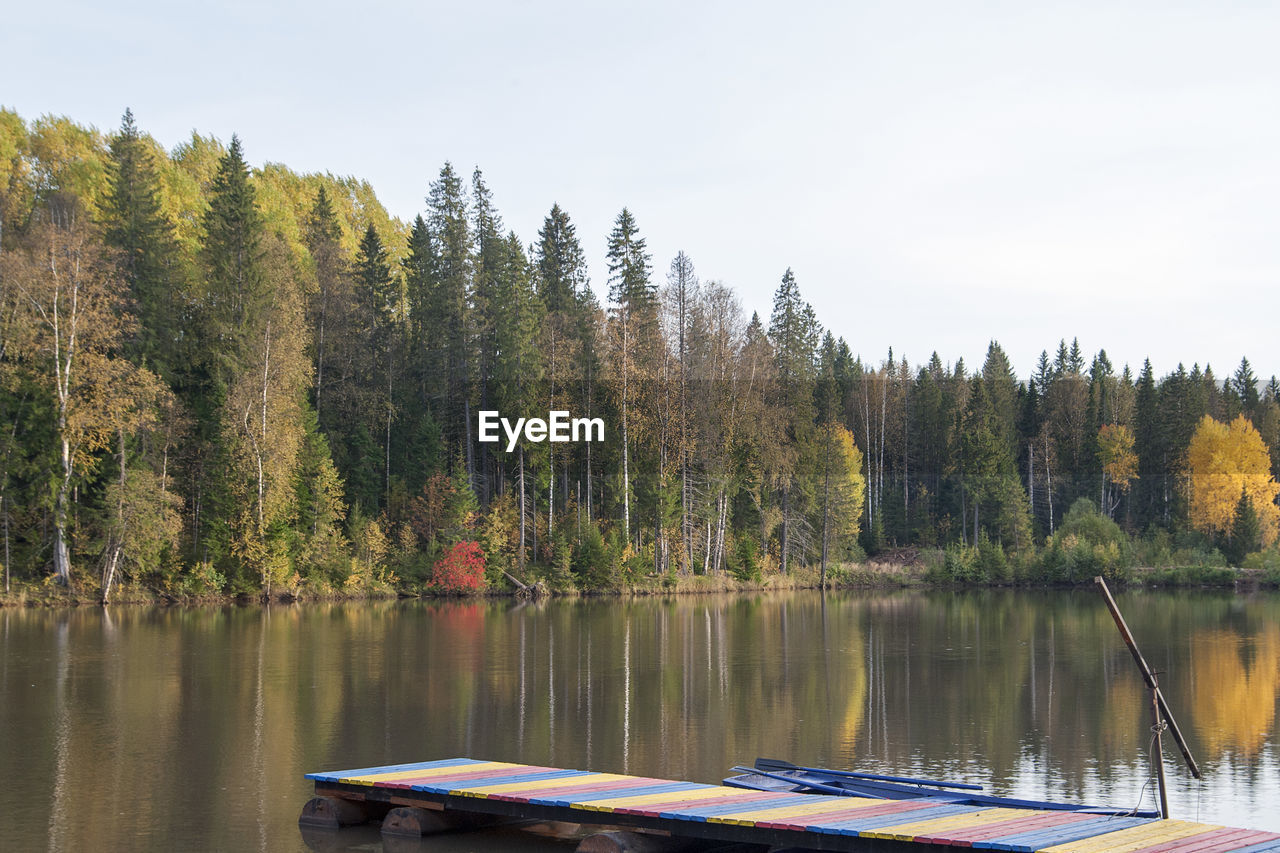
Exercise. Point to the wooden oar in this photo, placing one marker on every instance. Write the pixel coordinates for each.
(775, 764)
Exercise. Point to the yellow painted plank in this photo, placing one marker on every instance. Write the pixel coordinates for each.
(1134, 838)
(708, 792)
(428, 773)
(754, 816)
(538, 784)
(937, 825)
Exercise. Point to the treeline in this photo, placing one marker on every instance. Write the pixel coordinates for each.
(217, 379)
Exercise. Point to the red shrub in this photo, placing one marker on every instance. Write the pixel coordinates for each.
(461, 569)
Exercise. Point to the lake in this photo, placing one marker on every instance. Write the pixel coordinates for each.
(164, 728)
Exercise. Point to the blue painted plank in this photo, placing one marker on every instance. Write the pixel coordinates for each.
(858, 825)
(701, 813)
(335, 775)
(1024, 842)
(464, 784)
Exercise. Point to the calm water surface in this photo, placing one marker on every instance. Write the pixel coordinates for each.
(160, 729)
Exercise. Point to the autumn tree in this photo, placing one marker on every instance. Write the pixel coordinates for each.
(843, 491)
(264, 426)
(1227, 461)
(67, 325)
(1119, 464)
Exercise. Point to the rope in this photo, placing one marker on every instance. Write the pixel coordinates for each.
(1152, 758)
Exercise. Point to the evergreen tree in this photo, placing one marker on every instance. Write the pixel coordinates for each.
(1002, 389)
(329, 305)
(1246, 531)
(1245, 386)
(378, 297)
(445, 350)
(631, 294)
(794, 332)
(1146, 443)
(562, 265)
(149, 258)
(236, 292)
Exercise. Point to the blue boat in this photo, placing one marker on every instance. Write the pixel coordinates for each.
(771, 774)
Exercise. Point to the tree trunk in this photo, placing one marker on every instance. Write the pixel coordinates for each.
(826, 509)
(61, 552)
(523, 511)
(786, 523)
(116, 540)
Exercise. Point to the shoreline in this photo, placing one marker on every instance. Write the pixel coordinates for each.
(869, 576)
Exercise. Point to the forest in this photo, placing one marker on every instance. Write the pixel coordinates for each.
(218, 380)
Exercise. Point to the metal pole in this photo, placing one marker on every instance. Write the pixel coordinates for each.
(1157, 727)
(1150, 679)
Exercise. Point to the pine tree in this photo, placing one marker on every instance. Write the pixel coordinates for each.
(794, 332)
(1002, 389)
(329, 305)
(236, 292)
(149, 259)
(490, 265)
(562, 266)
(632, 296)
(378, 296)
(445, 350)
(1146, 443)
(1245, 385)
(1246, 531)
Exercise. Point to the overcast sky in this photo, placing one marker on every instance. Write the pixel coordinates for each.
(936, 174)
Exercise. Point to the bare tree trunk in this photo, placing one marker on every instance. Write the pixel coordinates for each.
(116, 540)
(471, 460)
(61, 552)
(826, 509)
(319, 362)
(387, 439)
(786, 524)
(4, 509)
(1048, 481)
(522, 509)
(706, 557)
(1031, 475)
(626, 463)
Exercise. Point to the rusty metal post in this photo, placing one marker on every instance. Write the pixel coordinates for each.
(1157, 726)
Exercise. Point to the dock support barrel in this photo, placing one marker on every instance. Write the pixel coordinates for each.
(621, 841)
(332, 813)
(413, 822)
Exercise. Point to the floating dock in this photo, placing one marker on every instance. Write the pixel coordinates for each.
(463, 792)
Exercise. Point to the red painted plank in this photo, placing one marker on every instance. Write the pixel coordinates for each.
(745, 799)
(677, 800)
(824, 818)
(1227, 838)
(1038, 820)
(619, 785)
(464, 777)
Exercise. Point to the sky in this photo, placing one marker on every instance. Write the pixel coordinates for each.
(937, 174)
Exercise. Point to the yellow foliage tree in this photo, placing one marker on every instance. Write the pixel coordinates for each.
(1225, 460)
(1119, 464)
(844, 490)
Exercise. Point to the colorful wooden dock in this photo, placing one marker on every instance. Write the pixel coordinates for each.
(458, 788)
